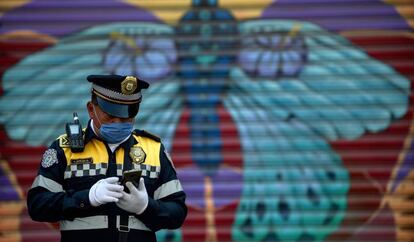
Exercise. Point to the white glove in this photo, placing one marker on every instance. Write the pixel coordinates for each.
(105, 191)
(136, 201)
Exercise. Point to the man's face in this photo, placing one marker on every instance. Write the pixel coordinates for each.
(100, 117)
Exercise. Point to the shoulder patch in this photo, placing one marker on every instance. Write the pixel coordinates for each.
(64, 141)
(49, 158)
(147, 134)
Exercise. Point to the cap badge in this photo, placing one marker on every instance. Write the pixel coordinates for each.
(137, 155)
(128, 85)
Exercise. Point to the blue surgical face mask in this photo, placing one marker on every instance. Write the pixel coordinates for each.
(114, 132)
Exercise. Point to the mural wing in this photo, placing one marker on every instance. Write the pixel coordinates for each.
(296, 88)
(160, 110)
(323, 80)
(296, 179)
(42, 91)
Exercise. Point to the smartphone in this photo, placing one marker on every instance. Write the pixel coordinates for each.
(130, 176)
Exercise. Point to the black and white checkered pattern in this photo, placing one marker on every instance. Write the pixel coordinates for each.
(80, 170)
(148, 170)
(119, 168)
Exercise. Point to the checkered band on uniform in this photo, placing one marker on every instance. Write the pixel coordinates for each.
(148, 170)
(80, 170)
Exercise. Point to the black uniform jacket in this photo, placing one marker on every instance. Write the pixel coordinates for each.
(60, 192)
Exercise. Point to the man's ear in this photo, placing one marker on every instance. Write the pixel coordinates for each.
(90, 108)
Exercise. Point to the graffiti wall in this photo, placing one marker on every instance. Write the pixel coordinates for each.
(286, 120)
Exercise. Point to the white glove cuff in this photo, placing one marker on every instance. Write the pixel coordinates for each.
(92, 195)
(143, 208)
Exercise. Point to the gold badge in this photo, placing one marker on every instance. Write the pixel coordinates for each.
(137, 155)
(129, 85)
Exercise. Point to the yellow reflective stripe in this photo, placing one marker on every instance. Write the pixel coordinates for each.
(99, 222)
(120, 156)
(151, 149)
(49, 184)
(93, 222)
(94, 149)
(167, 189)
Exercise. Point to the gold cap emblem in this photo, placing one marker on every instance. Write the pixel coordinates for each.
(137, 155)
(129, 85)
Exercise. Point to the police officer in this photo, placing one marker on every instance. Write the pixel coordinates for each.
(81, 189)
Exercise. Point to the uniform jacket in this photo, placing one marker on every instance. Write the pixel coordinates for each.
(60, 192)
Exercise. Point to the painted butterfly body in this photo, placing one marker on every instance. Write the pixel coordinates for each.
(208, 35)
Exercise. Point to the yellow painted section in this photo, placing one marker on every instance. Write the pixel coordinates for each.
(245, 9)
(183, 5)
(405, 8)
(9, 5)
(10, 221)
(211, 231)
(27, 35)
(11, 237)
(12, 177)
(11, 208)
(404, 235)
(170, 12)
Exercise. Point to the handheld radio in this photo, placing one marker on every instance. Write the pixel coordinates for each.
(75, 134)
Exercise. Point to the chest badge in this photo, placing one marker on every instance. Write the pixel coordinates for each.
(137, 155)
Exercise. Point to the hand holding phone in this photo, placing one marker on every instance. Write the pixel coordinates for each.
(131, 176)
(135, 200)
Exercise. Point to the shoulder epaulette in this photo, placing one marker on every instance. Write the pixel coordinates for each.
(63, 141)
(147, 134)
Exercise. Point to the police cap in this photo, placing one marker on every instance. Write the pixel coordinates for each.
(117, 95)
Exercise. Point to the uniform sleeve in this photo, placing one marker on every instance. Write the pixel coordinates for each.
(47, 201)
(167, 210)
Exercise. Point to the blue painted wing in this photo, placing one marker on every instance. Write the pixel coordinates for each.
(42, 90)
(297, 87)
(293, 181)
(337, 89)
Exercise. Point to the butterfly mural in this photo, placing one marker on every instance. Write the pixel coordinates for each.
(289, 86)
